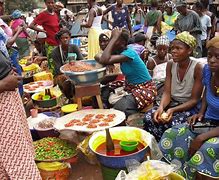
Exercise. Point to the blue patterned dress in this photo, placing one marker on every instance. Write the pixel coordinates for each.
(176, 141)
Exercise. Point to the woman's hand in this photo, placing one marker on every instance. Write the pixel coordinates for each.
(195, 145)
(116, 32)
(169, 114)
(195, 118)
(10, 82)
(157, 115)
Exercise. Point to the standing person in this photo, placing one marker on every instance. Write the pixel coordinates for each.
(140, 90)
(188, 20)
(197, 153)
(49, 20)
(94, 23)
(153, 19)
(120, 14)
(206, 26)
(212, 16)
(16, 148)
(170, 14)
(182, 88)
(22, 39)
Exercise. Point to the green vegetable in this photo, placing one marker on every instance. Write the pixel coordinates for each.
(51, 148)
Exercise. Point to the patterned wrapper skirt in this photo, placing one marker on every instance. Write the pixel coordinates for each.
(16, 149)
(175, 144)
(144, 93)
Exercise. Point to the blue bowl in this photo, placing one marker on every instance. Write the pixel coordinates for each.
(87, 77)
(117, 162)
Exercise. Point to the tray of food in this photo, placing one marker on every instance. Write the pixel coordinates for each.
(37, 86)
(90, 120)
(51, 149)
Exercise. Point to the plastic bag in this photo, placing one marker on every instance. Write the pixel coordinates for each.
(148, 170)
(85, 149)
(119, 93)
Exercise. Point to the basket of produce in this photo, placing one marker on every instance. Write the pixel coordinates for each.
(53, 149)
(84, 72)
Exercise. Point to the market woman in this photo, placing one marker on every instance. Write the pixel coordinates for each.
(94, 23)
(61, 52)
(140, 91)
(197, 153)
(182, 88)
(16, 149)
(60, 57)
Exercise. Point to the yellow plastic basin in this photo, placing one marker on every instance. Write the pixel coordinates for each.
(69, 108)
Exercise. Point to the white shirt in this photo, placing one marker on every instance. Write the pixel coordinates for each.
(206, 23)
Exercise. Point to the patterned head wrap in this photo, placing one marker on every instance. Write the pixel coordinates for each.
(170, 4)
(187, 39)
(16, 14)
(214, 42)
(105, 33)
(163, 40)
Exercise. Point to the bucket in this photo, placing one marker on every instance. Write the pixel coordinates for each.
(109, 173)
(54, 170)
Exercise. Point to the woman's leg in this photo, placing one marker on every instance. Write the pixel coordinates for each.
(127, 104)
(174, 145)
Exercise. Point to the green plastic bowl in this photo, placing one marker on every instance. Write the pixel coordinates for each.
(128, 145)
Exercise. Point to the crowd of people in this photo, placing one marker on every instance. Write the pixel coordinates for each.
(147, 51)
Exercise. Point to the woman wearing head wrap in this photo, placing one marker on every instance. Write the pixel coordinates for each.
(182, 88)
(157, 64)
(22, 41)
(170, 14)
(104, 39)
(196, 152)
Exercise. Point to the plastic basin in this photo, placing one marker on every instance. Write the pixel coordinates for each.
(118, 162)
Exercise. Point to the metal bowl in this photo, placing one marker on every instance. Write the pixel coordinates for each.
(86, 77)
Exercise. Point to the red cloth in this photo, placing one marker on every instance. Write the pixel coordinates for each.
(50, 23)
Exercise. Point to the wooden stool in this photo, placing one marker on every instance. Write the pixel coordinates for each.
(88, 90)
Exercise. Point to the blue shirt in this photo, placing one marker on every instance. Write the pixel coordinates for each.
(212, 111)
(134, 70)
